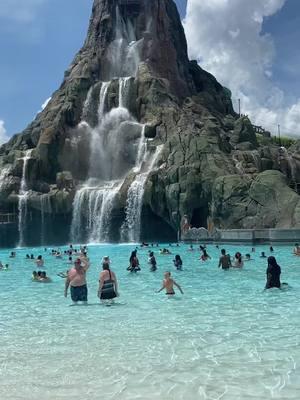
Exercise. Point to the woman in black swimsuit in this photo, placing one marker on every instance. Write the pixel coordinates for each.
(108, 284)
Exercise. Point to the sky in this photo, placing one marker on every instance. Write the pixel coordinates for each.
(250, 46)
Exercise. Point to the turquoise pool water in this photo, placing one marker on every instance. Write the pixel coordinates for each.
(225, 338)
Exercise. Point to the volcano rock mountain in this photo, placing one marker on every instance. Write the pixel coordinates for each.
(136, 124)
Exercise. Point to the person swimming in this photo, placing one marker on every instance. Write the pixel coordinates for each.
(273, 274)
(204, 256)
(44, 278)
(34, 276)
(168, 284)
(165, 252)
(296, 250)
(248, 257)
(39, 261)
(178, 262)
(191, 248)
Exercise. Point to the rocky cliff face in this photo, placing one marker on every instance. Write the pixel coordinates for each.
(132, 85)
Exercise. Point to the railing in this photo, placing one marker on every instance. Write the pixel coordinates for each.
(8, 219)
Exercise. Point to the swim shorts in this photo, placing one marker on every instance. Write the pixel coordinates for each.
(79, 293)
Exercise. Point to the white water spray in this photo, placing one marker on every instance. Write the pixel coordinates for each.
(23, 197)
(131, 229)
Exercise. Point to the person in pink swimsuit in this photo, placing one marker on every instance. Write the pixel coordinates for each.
(76, 279)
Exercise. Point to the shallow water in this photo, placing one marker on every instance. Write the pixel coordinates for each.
(225, 338)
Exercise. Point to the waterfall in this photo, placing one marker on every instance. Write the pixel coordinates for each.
(131, 229)
(3, 174)
(123, 87)
(142, 151)
(101, 212)
(23, 197)
(92, 211)
(46, 208)
(87, 104)
(117, 143)
(123, 54)
(102, 100)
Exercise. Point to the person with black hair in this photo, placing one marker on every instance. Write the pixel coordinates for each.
(134, 264)
(224, 260)
(152, 262)
(273, 274)
(178, 262)
(108, 284)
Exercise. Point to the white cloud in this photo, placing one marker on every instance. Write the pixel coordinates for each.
(226, 38)
(23, 11)
(3, 136)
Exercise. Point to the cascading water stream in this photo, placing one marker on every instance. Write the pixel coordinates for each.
(3, 174)
(23, 197)
(142, 151)
(114, 149)
(131, 229)
(46, 208)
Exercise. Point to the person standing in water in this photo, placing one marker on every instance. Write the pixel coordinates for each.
(108, 284)
(168, 284)
(238, 261)
(76, 279)
(273, 274)
(152, 262)
(178, 262)
(224, 261)
(134, 264)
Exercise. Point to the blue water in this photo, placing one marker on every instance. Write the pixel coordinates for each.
(225, 338)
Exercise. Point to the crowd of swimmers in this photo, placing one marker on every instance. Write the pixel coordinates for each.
(75, 276)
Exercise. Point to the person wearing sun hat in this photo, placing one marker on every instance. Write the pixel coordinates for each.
(76, 279)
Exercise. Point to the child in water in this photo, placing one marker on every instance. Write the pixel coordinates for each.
(168, 284)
